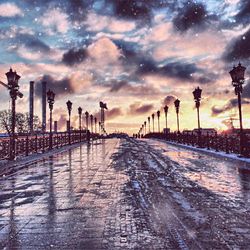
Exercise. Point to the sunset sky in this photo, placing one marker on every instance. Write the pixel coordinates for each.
(135, 55)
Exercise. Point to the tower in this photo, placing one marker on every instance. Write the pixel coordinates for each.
(44, 86)
(103, 106)
(31, 107)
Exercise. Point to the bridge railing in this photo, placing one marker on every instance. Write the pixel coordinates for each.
(224, 143)
(29, 144)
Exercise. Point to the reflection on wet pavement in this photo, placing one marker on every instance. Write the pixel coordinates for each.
(55, 202)
(223, 176)
(126, 194)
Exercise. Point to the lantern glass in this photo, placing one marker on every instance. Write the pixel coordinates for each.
(17, 77)
(69, 105)
(166, 109)
(197, 93)
(237, 74)
(240, 72)
(50, 96)
(79, 110)
(11, 76)
(177, 103)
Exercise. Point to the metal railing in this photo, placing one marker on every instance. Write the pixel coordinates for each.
(224, 143)
(30, 144)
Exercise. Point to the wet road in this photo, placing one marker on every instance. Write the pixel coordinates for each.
(126, 194)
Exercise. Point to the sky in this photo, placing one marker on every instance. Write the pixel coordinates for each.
(137, 56)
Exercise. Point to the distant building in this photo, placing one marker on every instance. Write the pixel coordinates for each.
(204, 131)
(236, 131)
(166, 130)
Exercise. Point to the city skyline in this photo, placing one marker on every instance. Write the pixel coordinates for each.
(137, 58)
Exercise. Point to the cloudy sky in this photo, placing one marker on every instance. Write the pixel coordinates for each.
(135, 55)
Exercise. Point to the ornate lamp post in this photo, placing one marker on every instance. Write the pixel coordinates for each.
(197, 97)
(80, 118)
(69, 106)
(99, 127)
(177, 108)
(80, 122)
(158, 117)
(166, 116)
(13, 78)
(145, 126)
(91, 122)
(153, 121)
(149, 124)
(237, 75)
(95, 119)
(51, 100)
(87, 119)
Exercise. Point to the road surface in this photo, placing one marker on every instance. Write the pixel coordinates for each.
(126, 194)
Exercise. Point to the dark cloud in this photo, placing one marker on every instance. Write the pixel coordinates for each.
(140, 9)
(146, 65)
(244, 12)
(132, 89)
(77, 9)
(228, 106)
(238, 49)
(33, 43)
(179, 70)
(139, 109)
(118, 85)
(74, 56)
(210, 78)
(60, 87)
(192, 15)
(113, 113)
(246, 91)
(168, 100)
(38, 2)
(128, 49)
(131, 9)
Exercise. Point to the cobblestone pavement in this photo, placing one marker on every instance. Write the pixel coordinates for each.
(124, 194)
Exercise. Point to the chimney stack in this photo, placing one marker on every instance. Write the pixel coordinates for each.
(31, 114)
(44, 106)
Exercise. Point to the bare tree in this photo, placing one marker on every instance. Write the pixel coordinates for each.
(22, 122)
(5, 121)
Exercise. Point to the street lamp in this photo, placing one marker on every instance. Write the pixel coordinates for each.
(13, 78)
(145, 126)
(166, 116)
(237, 75)
(80, 122)
(91, 122)
(69, 106)
(51, 100)
(87, 119)
(149, 124)
(158, 117)
(197, 97)
(99, 128)
(177, 108)
(95, 125)
(153, 121)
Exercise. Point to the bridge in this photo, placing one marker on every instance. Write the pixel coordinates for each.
(83, 188)
(109, 193)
